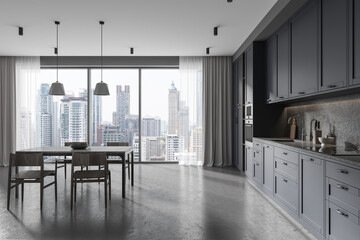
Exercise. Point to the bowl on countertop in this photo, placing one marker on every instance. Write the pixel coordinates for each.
(325, 141)
(79, 145)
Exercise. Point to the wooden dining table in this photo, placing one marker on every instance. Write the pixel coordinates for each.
(120, 151)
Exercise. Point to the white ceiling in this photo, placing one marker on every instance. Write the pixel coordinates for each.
(152, 27)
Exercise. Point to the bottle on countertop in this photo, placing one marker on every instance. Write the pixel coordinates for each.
(317, 133)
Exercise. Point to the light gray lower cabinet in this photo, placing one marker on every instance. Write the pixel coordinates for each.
(268, 169)
(287, 192)
(312, 192)
(257, 172)
(248, 161)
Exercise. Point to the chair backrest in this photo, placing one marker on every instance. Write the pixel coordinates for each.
(117, 144)
(88, 159)
(26, 159)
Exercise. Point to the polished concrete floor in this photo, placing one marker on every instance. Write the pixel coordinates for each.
(167, 202)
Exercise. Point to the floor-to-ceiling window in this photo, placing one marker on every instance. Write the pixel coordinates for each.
(115, 118)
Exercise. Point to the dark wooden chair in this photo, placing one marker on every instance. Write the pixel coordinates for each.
(29, 175)
(86, 160)
(61, 162)
(117, 144)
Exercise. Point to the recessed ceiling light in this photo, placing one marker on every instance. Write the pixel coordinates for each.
(21, 31)
(131, 50)
(229, 1)
(208, 50)
(215, 31)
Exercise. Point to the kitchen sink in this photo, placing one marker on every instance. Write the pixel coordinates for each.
(283, 140)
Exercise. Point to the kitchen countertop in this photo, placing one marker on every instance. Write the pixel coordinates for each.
(332, 152)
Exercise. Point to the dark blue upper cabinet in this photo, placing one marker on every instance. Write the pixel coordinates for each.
(334, 44)
(238, 82)
(305, 51)
(271, 69)
(355, 48)
(283, 65)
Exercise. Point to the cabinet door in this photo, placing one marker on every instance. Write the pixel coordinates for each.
(305, 51)
(283, 66)
(237, 138)
(249, 75)
(334, 44)
(312, 194)
(248, 161)
(355, 43)
(235, 82)
(268, 165)
(287, 192)
(257, 172)
(271, 69)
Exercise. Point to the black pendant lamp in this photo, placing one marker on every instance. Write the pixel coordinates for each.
(56, 87)
(101, 88)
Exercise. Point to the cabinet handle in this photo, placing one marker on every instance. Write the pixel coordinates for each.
(342, 187)
(256, 144)
(331, 86)
(269, 100)
(257, 164)
(342, 171)
(267, 146)
(285, 153)
(301, 92)
(312, 160)
(284, 180)
(285, 163)
(342, 213)
(281, 97)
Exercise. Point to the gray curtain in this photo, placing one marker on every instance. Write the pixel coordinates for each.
(217, 102)
(7, 109)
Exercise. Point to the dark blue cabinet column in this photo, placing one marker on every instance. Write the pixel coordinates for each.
(271, 69)
(283, 66)
(334, 44)
(355, 49)
(305, 51)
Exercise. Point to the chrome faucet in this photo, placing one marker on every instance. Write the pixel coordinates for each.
(303, 131)
(311, 124)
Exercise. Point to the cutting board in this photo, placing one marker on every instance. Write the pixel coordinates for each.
(293, 129)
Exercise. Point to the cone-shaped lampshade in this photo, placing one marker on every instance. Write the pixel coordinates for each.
(57, 89)
(101, 88)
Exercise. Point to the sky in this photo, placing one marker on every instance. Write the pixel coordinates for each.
(155, 85)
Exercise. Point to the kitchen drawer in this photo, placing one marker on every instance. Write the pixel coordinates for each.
(343, 174)
(287, 168)
(345, 196)
(257, 145)
(287, 155)
(257, 156)
(287, 192)
(342, 225)
(257, 172)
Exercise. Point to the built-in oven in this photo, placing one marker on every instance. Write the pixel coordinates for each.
(248, 111)
(248, 130)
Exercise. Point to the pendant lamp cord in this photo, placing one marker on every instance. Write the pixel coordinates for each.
(101, 23)
(57, 52)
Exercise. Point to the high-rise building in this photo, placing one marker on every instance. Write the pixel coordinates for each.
(96, 115)
(151, 127)
(136, 148)
(122, 105)
(45, 121)
(152, 148)
(196, 143)
(172, 146)
(24, 135)
(73, 119)
(183, 127)
(109, 133)
(131, 128)
(173, 100)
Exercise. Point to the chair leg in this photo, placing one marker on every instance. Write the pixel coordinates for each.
(72, 194)
(8, 195)
(105, 188)
(41, 193)
(22, 192)
(109, 185)
(129, 168)
(55, 178)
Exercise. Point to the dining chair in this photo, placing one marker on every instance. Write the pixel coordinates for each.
(120, 144)
(78, 175)
(64, 160)
(26, 160)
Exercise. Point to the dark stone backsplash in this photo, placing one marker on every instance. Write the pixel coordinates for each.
(342, 114)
